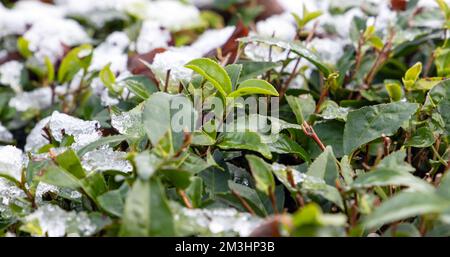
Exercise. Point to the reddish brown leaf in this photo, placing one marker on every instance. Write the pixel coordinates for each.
(271, 7)
(137, 67)
(399, 5)
(10, 57)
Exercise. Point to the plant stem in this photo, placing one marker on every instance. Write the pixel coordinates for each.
(243, 202)
(185, 198)
(273, 200)
(166, 84)
(381, 58)
(298, 195)
(289, 80)
(309, 131)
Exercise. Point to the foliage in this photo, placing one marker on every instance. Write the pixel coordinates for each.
(358, 144)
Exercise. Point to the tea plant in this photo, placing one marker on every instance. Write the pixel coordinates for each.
(234, 118)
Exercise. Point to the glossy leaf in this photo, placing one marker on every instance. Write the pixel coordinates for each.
(111, 140)
(406, 205)
(412, 75)
(390, 177)
(159, 116)
(440, 97)
(234, 72)
(147, 212)
(262, 173)
(77, 59)
(23, 47)
(302, 106)
(213, 72)
(57, 176)
(253, 87)
(371, 122)
(285, 145)
(50, 70)
(70, 161)
(395, 91)
(246, 141)
(108, 78)
(325, 167)
(141, 86)
(112, 202)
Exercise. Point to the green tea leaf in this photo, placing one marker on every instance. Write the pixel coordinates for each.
(50, 70)
(146, 211)
(395, 91)
(94, 185)
(412, 75)
(262, 173)
(23, 47)
(253, 87)
(422, 137)
(325, 167)
(213, 72)
(302, 106)
(141, 86)
(77, 59)
(195, 191)
(116, 139)
(406, 205)
(69, 160)
(159, 116)
(112, 202)
(371, 122)
(440, 97)
(108, 78)
(390, 177)
(244, 140)
(57, 176)
(285, 145)
(234, 72)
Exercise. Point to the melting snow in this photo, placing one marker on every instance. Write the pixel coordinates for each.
(105, 159)
(215, 222)
(10, 75)
(47, 37)
(37, 99)
(84, 132)
(212, 39)
(11, 161)
(112, 51)
(5, 135)
(152, 36)
(8, 194)
(56, 222)
(174, 60)
(182, 16)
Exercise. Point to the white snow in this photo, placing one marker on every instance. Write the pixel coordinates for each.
(47, 37)
(37, 99)
(212, 39)
(277, 26)
(174, 60)
(10, 75)
(11, 161)
(151, 36)
(84, 132)
(112, 51)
